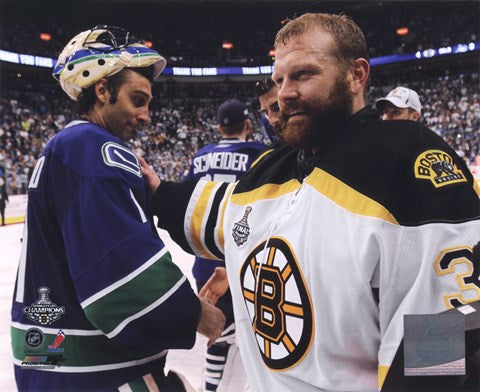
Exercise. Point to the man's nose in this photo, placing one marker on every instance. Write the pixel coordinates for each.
(287, 91)
(143, 116)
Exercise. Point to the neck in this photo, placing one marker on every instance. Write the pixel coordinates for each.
(240, 136)
(94, 117)
(358, 103)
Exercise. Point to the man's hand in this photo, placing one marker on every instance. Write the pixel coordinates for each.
(212, 321)
(216, 286)
(150, 175)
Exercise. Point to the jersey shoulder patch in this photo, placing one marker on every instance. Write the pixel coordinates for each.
(119, 156)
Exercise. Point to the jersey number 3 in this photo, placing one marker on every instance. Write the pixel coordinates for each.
(468, 279)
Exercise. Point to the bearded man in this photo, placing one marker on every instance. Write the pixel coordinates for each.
(332, 238)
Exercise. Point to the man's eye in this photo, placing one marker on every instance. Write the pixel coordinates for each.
(139, 102)
(302, 73)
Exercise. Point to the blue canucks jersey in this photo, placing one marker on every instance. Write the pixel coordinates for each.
(97, 299)
(226, 161)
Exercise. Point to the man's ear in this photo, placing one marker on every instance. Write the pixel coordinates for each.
(101, 90)
(415, 116)
(358, 75)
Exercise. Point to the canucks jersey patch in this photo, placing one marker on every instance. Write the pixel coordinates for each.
(438, 167)
(119, 156)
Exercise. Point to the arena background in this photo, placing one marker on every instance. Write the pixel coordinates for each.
(439, 57)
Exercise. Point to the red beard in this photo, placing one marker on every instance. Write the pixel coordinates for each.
(310, 128)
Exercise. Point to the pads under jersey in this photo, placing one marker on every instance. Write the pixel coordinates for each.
(226, 161)
(384, 207)
(97, 299)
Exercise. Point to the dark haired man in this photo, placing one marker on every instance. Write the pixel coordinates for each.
(266, 92)
(226, 161)
(330, 240)
(98, 300)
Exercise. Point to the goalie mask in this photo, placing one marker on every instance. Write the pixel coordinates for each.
(99, 53)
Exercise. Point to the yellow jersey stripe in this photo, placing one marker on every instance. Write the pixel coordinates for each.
(267, 191)
(260, 157)
(198, 217)
(476, 187)
(221, 235)
(347, 197)
(382, 374)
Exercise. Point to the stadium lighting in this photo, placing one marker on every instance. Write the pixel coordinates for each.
(403, 31)
(45, 36)
(227, 45)
(148, 44)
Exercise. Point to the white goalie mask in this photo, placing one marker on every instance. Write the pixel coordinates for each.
(99, 53)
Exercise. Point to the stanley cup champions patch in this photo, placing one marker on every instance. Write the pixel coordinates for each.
(438, 167)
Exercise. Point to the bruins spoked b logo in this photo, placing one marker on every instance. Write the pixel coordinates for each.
(278, 304)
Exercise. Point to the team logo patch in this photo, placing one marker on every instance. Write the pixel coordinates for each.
(278, 304)
(119, 156)
(43, 311)
(54, 347)
(33, 337)
(438, 167)
(241, 229)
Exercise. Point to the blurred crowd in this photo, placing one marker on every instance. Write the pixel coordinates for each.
(451, 108)
(180, 125)
(192, 34)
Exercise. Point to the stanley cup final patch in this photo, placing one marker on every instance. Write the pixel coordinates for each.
(241, 229)
(43, 311)
(438, 167)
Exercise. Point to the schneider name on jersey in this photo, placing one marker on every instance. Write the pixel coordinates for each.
(383, 208)
(226, 161)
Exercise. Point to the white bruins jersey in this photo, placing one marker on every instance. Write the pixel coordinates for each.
(386, 210)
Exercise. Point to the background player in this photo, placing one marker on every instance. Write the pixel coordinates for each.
(226, 161)
(266, 92)
(92, 263)
(400, 104)
(3, 198)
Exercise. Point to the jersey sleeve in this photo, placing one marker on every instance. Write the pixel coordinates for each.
(423, 270)
(189, 175)
(202, 206)
(124, 277)
(426, 263)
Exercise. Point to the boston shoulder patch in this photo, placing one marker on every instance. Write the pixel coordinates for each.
(278, 303)
(119, 156)
(438, 167)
